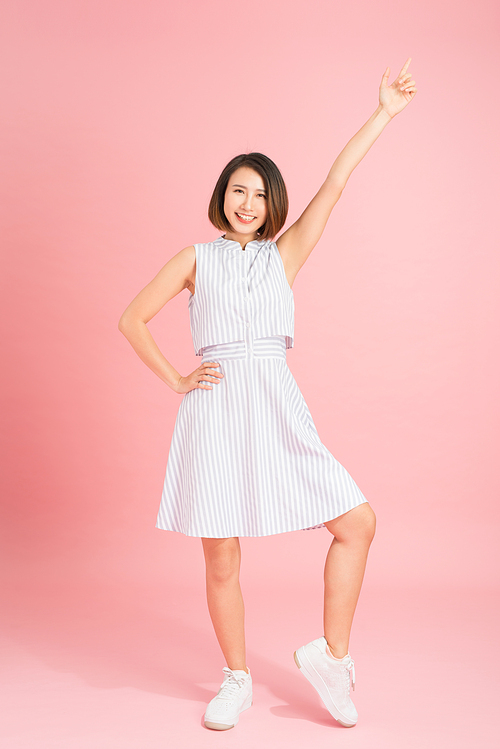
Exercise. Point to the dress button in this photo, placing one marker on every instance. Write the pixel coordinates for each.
(248, 324)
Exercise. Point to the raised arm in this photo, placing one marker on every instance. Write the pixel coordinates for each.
(297, 242)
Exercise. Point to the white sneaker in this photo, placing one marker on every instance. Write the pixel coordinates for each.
(330, 678)
(234, 696)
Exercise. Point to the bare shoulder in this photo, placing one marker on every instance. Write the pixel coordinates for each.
(187, 258)
(180, 269)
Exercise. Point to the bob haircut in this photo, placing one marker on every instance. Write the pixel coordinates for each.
(277, 196)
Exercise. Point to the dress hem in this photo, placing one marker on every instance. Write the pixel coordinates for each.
(312, 526)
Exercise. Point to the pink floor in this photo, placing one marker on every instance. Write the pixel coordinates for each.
(89, 665)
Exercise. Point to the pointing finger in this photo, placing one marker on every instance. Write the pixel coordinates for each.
(405, 66)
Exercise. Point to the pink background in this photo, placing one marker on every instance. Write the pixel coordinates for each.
(117, 119)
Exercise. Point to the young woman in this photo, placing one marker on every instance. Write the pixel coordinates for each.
(245, 457)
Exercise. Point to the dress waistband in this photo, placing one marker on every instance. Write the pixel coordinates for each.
(261, 348)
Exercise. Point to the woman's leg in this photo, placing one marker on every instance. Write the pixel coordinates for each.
(225, 602)
(344, 571)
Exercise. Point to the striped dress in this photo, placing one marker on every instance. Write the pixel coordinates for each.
(245, 458)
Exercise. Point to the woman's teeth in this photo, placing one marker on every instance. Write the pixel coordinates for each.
(245, 218)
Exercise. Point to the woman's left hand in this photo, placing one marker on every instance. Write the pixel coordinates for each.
(395, 97)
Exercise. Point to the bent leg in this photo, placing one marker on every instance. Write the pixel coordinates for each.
(225, 602)
(344, 571)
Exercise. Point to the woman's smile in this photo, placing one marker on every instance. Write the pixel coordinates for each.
(245, 218)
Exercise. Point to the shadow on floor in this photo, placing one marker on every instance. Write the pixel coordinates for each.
(115, 636)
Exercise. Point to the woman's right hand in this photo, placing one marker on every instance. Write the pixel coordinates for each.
(206, 371)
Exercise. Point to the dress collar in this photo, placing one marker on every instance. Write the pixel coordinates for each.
(232, 245)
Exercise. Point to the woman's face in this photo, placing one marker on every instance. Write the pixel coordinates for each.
(245, 201)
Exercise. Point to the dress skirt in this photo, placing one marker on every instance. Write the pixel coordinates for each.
(245, 457)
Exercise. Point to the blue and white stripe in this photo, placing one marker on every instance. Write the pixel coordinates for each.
(245, 456)
(239, 295)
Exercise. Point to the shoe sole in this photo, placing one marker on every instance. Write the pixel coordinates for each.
(313, 677)
(224, 726)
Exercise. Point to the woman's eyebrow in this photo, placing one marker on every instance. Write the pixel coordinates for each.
(246, 188)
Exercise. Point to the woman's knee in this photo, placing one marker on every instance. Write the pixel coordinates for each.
(368, 523)
(222, 558)
(357, 525)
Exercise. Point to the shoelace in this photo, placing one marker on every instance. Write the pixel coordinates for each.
(230, 685)
(350, 675)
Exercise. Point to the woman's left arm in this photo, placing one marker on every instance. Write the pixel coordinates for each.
(298, 241)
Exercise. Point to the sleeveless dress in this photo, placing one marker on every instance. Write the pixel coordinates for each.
(245, 458)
